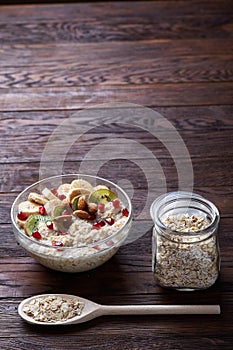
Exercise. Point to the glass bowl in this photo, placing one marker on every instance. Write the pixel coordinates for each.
(83, 256)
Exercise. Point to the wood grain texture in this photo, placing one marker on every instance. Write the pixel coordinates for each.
(58, 59)
(139, 72)
(185, 94)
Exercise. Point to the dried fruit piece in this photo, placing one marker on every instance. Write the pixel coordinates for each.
(37, 198)
(74, 192)
(102, 195)
(29, 208)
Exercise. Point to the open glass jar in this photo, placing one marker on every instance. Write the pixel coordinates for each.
(185, 251)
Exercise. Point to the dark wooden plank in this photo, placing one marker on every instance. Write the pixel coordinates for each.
(74, 31)
(133, 72)
(118, 342)
(199, 144)
(69, 56)
(111, 22)
(20, 175)
(15, 148)
(192, 119)
(185, 94)
(114, 29)
(57, 59)
(114, 9)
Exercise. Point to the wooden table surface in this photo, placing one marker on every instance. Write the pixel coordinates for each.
(174, 57)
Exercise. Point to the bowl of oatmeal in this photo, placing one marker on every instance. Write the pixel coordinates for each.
(73, 222)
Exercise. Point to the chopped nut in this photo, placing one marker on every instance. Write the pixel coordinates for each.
(74, 192)
(92, 208)
(82, 203)
(81, 214)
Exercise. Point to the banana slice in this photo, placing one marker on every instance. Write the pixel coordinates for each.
(37, 198)
(29, 207)
(64, 189)
(80, 183)
(100, 187)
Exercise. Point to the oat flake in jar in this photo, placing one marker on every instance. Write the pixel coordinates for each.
(185, 252)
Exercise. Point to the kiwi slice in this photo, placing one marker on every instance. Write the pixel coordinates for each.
(102, 195)
(34, 222)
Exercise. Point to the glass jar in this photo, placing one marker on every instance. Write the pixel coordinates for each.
(185, 251)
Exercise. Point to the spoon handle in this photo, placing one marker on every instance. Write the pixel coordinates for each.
(159, 309)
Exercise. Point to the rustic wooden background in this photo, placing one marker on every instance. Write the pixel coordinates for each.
(175, 57)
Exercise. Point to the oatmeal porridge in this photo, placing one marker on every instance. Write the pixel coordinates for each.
(86, 224)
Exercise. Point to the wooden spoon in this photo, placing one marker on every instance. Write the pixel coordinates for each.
(92, 310)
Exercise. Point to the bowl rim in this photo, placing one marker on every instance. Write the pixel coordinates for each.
(90, 245)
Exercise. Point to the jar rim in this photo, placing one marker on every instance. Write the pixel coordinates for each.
(183, 195)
